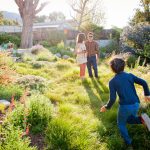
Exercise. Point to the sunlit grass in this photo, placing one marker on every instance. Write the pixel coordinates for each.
(78, 123)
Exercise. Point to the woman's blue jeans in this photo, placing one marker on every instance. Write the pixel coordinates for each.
(127, 114)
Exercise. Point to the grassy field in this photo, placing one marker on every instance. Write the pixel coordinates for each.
(75, 121)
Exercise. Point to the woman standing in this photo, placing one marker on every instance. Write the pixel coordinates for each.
(81, 53)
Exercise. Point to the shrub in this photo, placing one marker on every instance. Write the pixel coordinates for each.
(59, 135)
(13, 140)
(62, 51)
(36, 49)
(61, 45)
(44, 56)
(5, 60)
(136, 38)
(112, 47)
(5, 38)
(37, 64)
(39, 114)
(32, 82)
(131, 61)
(46, 44)
(6, 92)
(27, 57)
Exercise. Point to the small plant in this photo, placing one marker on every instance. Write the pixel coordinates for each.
(131, 61)
(6, 92)
(39, 113)
(32, 82)
(12, 139)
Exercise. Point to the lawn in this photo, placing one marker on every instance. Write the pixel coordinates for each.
(65, 110)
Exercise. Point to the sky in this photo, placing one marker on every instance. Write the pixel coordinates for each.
(117, 12)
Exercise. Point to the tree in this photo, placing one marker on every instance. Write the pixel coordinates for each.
(40, 19)
(28, 9)
(56, 16)
(136, 39)
(94, 28)
(141, 15)
(145, 4)
(116, 33)
(1, 18)
(87, 10)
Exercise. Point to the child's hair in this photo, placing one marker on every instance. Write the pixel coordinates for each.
(117, 65)
(80, 37)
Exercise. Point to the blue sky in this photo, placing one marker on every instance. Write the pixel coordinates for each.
(117, 12)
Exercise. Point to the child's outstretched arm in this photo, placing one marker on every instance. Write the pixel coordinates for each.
(112, 97)
(145, 86)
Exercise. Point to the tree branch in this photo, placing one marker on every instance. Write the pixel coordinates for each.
(41, 7)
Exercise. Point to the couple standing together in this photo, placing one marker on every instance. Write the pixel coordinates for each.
(87, 54)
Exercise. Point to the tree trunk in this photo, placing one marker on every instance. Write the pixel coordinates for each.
(27, 34)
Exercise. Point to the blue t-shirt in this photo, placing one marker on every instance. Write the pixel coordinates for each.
(123, 84)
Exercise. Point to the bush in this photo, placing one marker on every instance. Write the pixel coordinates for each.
(112, 47)
(32, 82)
(37, 64)
(5, 60)
(36, 49)
(131, 61)
(45, 56)
(59, 135)
(64, 51)
(136, 38)
(39, 114)
(13, 140)
(5, 38)
(6, 92)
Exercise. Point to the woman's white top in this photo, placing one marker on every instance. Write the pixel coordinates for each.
(81, 57)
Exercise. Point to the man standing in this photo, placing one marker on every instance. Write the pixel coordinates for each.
(92, 55)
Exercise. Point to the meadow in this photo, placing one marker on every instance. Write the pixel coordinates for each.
(62, 109)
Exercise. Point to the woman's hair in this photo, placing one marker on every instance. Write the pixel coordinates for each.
(117, 65)
(80, 37)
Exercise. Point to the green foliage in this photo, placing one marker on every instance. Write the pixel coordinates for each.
(37, 64)
(56, 16)
(136, 39)
(65, 51)
(59, 135)
(93, 28)
(141, 15)
(5, 60)
(5, 38)
(131, 61)
(32, 82)
(111, 48)
(116, 33)
(145, 53)
(55, 37)
(6, 92)
(40, 113)
(45, 56)
(13, 140)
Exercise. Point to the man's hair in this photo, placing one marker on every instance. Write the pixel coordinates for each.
(117, 65)
(80, 37)
(90, 33)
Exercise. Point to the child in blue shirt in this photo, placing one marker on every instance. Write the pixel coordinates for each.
(123, 84)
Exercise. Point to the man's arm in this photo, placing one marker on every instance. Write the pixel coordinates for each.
(97, 49)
